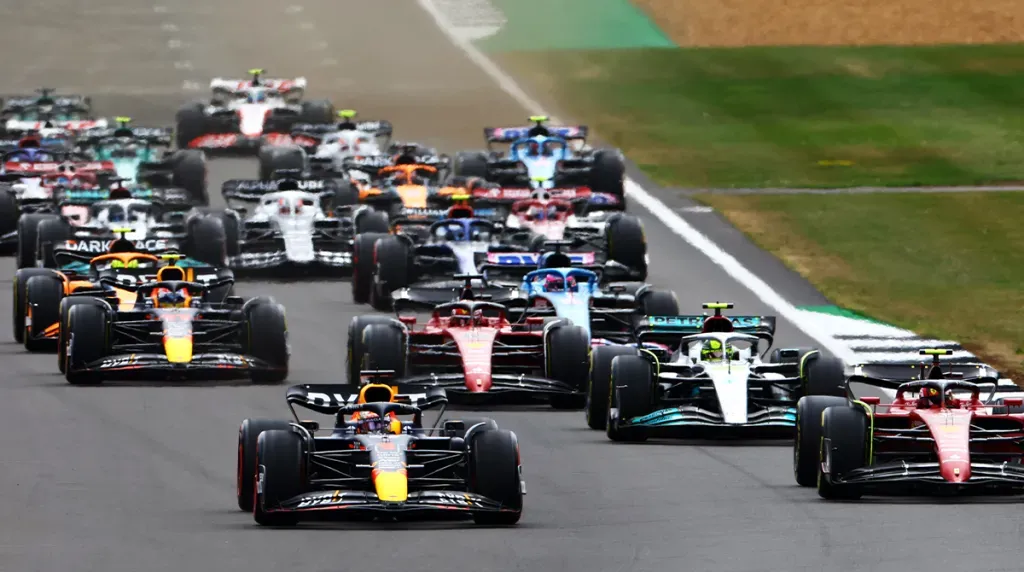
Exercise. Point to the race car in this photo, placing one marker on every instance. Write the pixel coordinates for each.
(68, 112)
(161, 215)
(242, 111)
(471, 349)
(36, 195)
(708, 380)
(175, 331)
(326, 147)
(541, 156)
(141, 155)
(296, 225)
(372, 463)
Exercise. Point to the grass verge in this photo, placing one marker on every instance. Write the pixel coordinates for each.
(799, 116)
(948, 265)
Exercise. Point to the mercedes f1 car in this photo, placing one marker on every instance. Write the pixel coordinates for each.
(175, 331)
(471, 349)
(296, 224)
(708, 379)
(373, 463)
(242, 111)
(540, 156)
(936, 437)
(28, 112)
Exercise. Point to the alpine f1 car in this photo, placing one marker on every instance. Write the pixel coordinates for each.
(540, 156)
(936, 437)
(141, 155)
(707, 379)
(296, 224)
(472, 350)
(174, 331)
(242, 111)
(30, 112)
(372, 463)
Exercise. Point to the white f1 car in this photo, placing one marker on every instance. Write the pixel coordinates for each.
(241, 111)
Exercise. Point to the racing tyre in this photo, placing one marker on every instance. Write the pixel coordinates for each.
(232, 231)
(496, 473)
(267, 341)
(28, 226)
(600, 387)
(245, 469)
(807, 444)
(9, 212)
(631, 383)
(43, 295)
(470, 164)
(627, 243)
(659, 303)
(608, 173)
(372, 221)
(823, 375)
(567, 353)
(64, 314)
(18, 297)
(363, 265)
(191, 123)
(317, 111)
(207, 241)
(189, 172)
(49, 234)
(778, 357)
(281, 158)
(383, 349)
(87, 342)
(391, 270)
(279, 461)
(844, 432)
(346, 195)
(356, 347)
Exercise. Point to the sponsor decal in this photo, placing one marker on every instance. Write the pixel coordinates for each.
(118, 362)
(532, 258)
(273, 185)
(102, 246)
(323, 499)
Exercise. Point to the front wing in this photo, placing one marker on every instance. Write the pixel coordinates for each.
(338, 504)
(278, 259)
(689, 420)
(202, 366)
(505, 388)
(905, 479)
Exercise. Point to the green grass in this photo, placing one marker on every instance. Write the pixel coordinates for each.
(949, 265)
(770, 117)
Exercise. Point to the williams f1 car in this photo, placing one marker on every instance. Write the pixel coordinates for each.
(373, 463)
(708, 379)
(936, 437)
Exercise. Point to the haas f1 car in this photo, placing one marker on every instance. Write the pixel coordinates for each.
(938, 436)
(377, 461)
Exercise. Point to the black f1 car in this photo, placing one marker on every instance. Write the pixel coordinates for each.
(373, 464)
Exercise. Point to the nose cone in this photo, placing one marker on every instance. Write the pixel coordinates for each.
(392, 486)
(178, 350)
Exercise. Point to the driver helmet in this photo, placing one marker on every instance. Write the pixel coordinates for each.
(570, 284)
(547, 148)
(256, 95)
(533, 149)
(283, 207)
(479, 234)
(535, 213)
(478, 316)
(715, 350)
(119, 264)
(554, 283)
(448, 233)
(930, 397)
(116, 215)
(172, 299)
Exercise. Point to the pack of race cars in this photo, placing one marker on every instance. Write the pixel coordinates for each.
(513, 276)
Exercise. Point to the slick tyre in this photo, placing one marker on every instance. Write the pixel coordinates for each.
(207, 241)
(43, 295)
(631, 386)
(844, 432)
(391, 270)
(9, 212)
(807, 443)
(627, 243)
(245, 469)
(599, 389)
(608, 173)
(267, 340)
(823, 375)
(356, 347)
(65, 316)
(384, 349)
(190, 124)
(659, 303)
(470, 164)
(317, 111)
(19, 305)
(372, 222)
(28, 238)
(496, 473)
(281, 158)
(88, 337)
(188, 171)
(279, 464)
(363, 265)
(49, 234)
(567, 355)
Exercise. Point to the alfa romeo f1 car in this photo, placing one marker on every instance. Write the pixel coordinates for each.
(937, 437)
(707, 380)
(242, 111)
(372, 463)
(295, 225)
(469, 348)
(174, 331)
(540, 156)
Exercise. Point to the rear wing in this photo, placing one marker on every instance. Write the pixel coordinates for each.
(331, 398)
(154, 135)
(255, 189)
(379, 128)
(89, 196)
(97, 246)
(677, 327)
(23, 101)
(511, 134)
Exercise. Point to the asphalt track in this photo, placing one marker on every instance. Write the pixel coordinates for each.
(141, 477)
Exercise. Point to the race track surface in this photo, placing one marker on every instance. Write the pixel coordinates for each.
(141, 477)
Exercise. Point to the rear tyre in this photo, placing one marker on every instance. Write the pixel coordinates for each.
(363, 265)
(281, 158)
(88, 337)
(384, 349)
(43, 295)
(807, 444)
(207, 241)
(9, 212)
(268, 341)
(191, 123)
(245, 469)
(659, 303)
(65, 315)
(49, 234)
(608, 173)
(18, 303)
(627, 243)
(189, 172)
(470, 164)
(823, 375)
(631, 396)
(28, 241)
(599, 390)
(496, 473)
(844, 434)
(567, 355)
(356, 347)
(391, 269)
(317, 111)
(372, 222)
(279, 472)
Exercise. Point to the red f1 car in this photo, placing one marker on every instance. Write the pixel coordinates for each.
(469, 348)
(936, 437)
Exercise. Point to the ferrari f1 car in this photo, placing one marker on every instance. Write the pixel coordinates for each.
(373, 463)
(540, 156)
(469, 348)
(241, 111)
(937, 437)
(174, 331)
(707, 380)
(295, 225)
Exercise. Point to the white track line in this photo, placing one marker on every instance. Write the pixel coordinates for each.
(660, 210)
